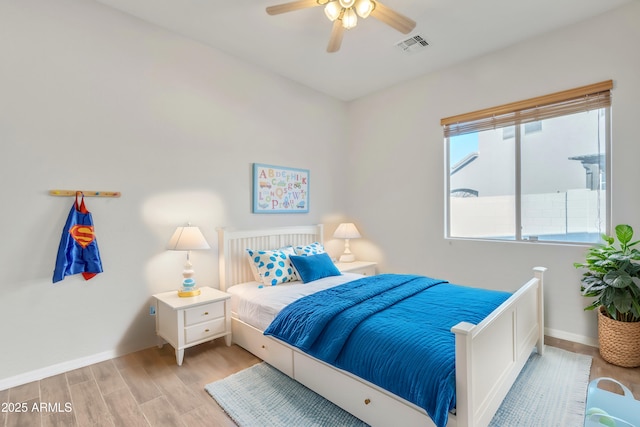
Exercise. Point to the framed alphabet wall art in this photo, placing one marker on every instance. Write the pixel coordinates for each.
(278, 189)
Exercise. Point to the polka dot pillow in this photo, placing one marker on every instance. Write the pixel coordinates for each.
(312, 249)
(274, 267)
(254, 269)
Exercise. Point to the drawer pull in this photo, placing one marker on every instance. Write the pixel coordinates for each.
(367, 401)
(206, 330)
(206, 313)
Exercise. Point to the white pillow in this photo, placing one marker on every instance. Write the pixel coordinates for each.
(273, 266)
(312, 249)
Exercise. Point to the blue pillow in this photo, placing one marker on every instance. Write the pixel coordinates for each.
(314, 267)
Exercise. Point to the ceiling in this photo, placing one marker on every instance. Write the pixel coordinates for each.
(294, 44)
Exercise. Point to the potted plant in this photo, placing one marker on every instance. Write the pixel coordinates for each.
(613, 279)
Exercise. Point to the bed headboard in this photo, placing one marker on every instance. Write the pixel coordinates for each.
(232, 245)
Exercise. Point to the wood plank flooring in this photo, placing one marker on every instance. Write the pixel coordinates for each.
(147, 388)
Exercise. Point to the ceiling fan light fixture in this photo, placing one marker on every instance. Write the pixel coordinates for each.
(344, 15)
(346, 4)
(332, 10)
(364, 8)
(349, 19)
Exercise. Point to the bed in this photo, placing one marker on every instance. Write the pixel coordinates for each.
(488, 355)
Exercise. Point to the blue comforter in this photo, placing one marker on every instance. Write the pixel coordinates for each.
(392, 330)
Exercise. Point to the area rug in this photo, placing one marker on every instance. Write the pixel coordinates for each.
(550, 391)
(262, 396)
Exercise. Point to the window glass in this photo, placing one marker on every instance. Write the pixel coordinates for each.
(487, 176)
(544, 180)
(563, 167)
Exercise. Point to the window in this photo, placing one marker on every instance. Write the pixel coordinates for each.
(534, 170)
(532, 127)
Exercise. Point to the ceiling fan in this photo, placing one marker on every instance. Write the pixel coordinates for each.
(344, 14)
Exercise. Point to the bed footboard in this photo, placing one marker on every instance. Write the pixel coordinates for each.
(491, 354)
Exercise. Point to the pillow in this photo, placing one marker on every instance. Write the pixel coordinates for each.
(288, 251)
(273, 266)
(314, 267)
(254, 269)
(312, 249)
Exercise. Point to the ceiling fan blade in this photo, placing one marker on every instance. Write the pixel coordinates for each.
(290, 7)
(335, 40)
(392, 18)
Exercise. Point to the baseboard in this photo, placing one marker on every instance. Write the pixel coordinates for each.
(60, 368)
(592, 342)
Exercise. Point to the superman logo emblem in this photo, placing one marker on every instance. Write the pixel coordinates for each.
(83, 234)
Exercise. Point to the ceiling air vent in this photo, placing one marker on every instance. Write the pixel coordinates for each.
(413, 44)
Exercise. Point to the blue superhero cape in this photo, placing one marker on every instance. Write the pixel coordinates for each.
(78, 250)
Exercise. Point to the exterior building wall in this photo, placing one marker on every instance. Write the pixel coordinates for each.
(543, 214)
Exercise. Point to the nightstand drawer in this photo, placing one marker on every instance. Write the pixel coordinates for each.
(204, 330)
(203, 313)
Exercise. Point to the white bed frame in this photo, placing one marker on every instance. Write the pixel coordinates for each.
(489, 355)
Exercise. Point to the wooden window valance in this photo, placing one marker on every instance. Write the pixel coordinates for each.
(570, 101)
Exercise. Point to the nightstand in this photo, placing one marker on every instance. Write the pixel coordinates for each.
(187, 321)
(368, 268)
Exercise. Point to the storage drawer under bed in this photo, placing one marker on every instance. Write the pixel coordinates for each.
(363, 400)
(266, 348)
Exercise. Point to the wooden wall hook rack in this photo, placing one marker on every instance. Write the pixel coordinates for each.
(86, 193)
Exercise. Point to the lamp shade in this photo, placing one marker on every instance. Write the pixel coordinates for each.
(349, 19)
(332, 10)
(364, 8)
(346, 230)
(187, 238)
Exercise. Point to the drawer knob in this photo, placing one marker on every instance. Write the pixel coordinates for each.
(263, 346)
(206, 330)
(367, 401)
(206, 313)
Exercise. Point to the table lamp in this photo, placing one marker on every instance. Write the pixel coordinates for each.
(188, 239)
(347, 231)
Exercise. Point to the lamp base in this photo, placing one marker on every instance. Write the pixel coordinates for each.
(191, 293)
(347, 258)
(188, 288)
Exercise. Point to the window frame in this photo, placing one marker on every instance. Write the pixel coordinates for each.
(501, 113)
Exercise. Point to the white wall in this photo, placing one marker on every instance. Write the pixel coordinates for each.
(93, 99)
(398, 195)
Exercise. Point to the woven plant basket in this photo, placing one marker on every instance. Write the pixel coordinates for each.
(619, 341)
